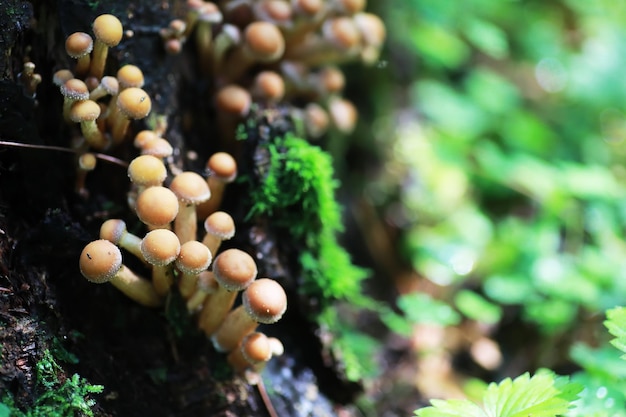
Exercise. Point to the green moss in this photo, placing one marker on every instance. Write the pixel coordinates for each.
(297, 190)
(60, 398)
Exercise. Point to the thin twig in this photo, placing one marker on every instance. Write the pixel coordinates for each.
(266, 398)
(101, 156)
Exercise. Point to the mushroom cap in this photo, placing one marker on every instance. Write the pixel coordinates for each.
(308, 7)
(100, 261)
(269, 85)
(194, 257)
(75, 89)
(223, 166)
(108, 29)
(208, 12)
(233, 99)
(157, 206)
(130, 76)
(113, 230)
(144, 137)
(331, 80)
(350, 6)
(220, 224)
(84, 111)
(343, 114)
(160, 247)
(134, 103)
(61, 77)
(316, 120)
(147, 170)
(372, 28)
(87, 161)
(265, 300)
(190, 188)
(234, 269)
(110, 84)
(256, 348)
(264, 42)
(78, 44)
(343, 32)
(159, 148)
(275, 11)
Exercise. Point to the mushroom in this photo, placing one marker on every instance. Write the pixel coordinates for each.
(114, 230)
(159, 148)
(108, 86)
(101, 261)
(146, 171)
(108, 32)
(160, 248)
(193, 259)
(233, 103)
(228, 37)
(268, 86)
(73, 90)
(132, 103)
(264, 301)
(208, 15)
(262, 43)
(157, 207)
(86, 163)
(234, 271)
(219, 227)
(191, 190)
(316, 120)
(343, 114)
(78, 46)
(222, 170)
(86, 112)
(255, 348)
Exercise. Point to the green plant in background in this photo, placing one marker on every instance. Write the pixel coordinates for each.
(60, 398)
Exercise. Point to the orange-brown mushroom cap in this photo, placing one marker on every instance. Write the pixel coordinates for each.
(190, 188)
(108, 29)
(100, 260)
(265, 300)
(160, 247)
(157, 206)
(234, 269)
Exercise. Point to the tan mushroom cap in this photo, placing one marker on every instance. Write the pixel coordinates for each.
(234, 99)
(223, 166)
(190, 188)
(144, 137)
(159, 148)
(157, 206)
(331, 79)
(108, 29)
(83, 111)
(61, 77)
(147, 170)
(78, 44)
(343, 114)
(264, 41)
(308, 7)
(220, 224)
(130, 76)
(87, 161)
(160, 247)
(134, 103)
(269, 85)
(277, 11)
(75, 89)
(343, 32)
(100, 261)
(234, 269)
(113, 230)
(256, 348)
(265, 300)
(194, 257)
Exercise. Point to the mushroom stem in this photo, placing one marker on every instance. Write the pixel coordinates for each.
(136, 288)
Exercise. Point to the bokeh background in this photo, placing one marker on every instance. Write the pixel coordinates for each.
(487, 177)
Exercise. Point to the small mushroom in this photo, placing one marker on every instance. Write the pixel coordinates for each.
(234, 271)
(264, 301)
(132, 104)
(219, 227)
(191, 190)
(157, 207)
(108, 32)
(78, 46)
(193, 259)
(222, 170)
(114, 230)
(160, 248)
(101, 261)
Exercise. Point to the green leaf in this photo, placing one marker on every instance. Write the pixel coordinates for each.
(616, 323)
(476, 307)
(543, 395)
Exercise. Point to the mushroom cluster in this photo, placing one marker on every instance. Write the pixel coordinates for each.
(271, 51)
(179, 257)
(264, 51)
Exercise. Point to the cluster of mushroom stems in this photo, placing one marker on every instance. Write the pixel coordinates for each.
(179, 259)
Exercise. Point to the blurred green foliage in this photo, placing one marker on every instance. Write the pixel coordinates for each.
(508, 153)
